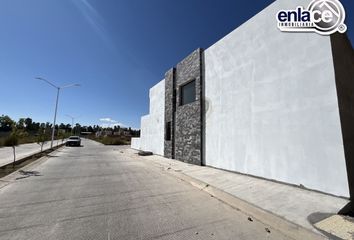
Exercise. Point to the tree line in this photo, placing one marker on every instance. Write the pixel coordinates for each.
(25, 130)
(27, 124)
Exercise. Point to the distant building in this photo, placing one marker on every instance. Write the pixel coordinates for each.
(104, 133)
(86, 133)
(121, 132)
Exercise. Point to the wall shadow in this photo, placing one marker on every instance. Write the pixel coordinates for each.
(343, 60)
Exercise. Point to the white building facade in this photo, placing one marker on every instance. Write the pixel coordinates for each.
(261, 102)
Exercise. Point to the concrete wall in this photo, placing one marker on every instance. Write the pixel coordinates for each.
(135, 143)
(152, 125)
(271, 107)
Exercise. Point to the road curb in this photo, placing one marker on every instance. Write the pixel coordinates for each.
(28, 156)
(8, 179)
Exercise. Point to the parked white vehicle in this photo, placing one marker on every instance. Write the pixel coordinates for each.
(73, 141)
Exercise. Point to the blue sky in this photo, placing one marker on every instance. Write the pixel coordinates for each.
(116, 49)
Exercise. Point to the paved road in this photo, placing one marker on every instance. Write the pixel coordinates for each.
(99, 192)
(23, 150)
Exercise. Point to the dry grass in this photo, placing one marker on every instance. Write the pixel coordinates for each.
(112, 140)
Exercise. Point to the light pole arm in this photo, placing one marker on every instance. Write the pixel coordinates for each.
(43, 79)
(71, 85)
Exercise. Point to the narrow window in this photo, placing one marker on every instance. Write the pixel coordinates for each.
(168, 131)
(188, 93)
(174, 99)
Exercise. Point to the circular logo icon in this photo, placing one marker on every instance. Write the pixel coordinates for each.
(328, 16)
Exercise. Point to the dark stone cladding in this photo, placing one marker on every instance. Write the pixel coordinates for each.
(343, 61)
(169, 112)
(188, 127)
(186, 120)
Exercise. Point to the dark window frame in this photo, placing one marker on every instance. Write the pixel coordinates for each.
(181, 96)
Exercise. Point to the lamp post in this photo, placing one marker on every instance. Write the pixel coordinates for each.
(72, 122)
(56, 103)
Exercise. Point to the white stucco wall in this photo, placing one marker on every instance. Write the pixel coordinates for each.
(271, 105)
(152, 125)
(135, 143)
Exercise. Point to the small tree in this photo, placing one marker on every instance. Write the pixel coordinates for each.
(12, 141)
(62, 136)
(42, 138)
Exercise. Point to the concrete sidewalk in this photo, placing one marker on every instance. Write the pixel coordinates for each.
(22, 151)
(258, 196)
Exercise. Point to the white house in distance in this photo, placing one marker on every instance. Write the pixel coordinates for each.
(262, 102)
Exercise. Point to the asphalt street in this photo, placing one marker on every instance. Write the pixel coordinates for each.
(99, 192)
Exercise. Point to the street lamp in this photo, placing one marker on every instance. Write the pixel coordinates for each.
(72, 122)
(56, 104)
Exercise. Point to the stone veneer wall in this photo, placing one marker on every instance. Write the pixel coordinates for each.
(186, 132)
(169, 112)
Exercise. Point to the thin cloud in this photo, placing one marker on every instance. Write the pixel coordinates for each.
(94, 19)
(112, 125)
(97, 23)
(109, 122)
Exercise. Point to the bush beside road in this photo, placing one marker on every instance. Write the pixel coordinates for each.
(111, 140)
